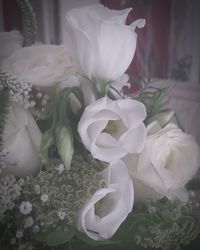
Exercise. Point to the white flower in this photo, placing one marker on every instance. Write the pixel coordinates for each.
(25, 207)
(60, 168)
(169, 160)
(44, 197)
(9, 43)
(100, 42)
(41, 65)
(19, 234)
(111, 129)
(22, 139)
(28, 222)
(107, 208)
(61, 215)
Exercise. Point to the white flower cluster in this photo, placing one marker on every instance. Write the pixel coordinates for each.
(22, 92)
(59, 194)
(10, 191)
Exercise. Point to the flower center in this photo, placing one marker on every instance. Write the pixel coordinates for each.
(111, 128)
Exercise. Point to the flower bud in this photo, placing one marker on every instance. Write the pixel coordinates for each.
(65, 145)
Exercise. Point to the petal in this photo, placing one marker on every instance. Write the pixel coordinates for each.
(135, 112)
(107, 148)
(116, 51)
(117, 202)
(22, 158)
(134, 139)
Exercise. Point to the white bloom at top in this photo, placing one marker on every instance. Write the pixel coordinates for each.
(111, 129)
(100, 42)
(169, 160)
(9, 43)
(41, 65)
(107, 208)
(21, 139)
(25, 207)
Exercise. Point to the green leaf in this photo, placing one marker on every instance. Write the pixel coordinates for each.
(30, 27)
(41, 236)
(59, 237)
(47, 141)
(193, 185)
(55, 237)
(163, 117)
(89, 241)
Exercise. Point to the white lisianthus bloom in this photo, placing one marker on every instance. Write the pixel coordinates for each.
(111, 129)
(107, 208)
(9, 43)
(100, 41)
(21, 141)
(41, 65)
(169, 160)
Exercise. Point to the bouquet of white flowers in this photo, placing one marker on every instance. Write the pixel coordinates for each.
(84, 163)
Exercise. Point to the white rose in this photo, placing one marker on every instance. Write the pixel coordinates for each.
(111, 129)
(169, 160)
(42, 65)
(9, 43)
(114, 203)
(21, 140)
(100, 42)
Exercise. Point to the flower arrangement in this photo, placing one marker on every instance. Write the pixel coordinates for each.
(84, 163)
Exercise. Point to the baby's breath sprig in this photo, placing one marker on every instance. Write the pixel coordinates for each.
(165, 224)
(22, 92)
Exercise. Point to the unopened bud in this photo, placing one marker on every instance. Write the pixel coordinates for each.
(65, 145)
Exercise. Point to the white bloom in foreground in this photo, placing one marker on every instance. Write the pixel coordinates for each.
(111, 129)
(9, 43)
(103, 213)
(21, 139)
(41, 65)
(25, 207)
(169, 160)
(100, 42)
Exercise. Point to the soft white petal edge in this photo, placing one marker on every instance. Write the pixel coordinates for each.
(119, 194)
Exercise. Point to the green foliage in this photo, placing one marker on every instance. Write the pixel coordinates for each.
(4, 109)
(62, 123)
(193, 185)
(30, 24)
(154, 100)
(55, 237)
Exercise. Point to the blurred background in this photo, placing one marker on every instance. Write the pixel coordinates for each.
(168, 48)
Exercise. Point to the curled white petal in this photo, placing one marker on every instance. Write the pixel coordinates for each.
(168, 161)
(100, 41)
(114, 202)
(21, 139)
(111, 129)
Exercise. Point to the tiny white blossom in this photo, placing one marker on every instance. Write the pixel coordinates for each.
(60, 168)
(36, 229)
(19, 234)
(25, 207)
(28, 222)
(61, 215)
(44, 197)
(37, 189)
